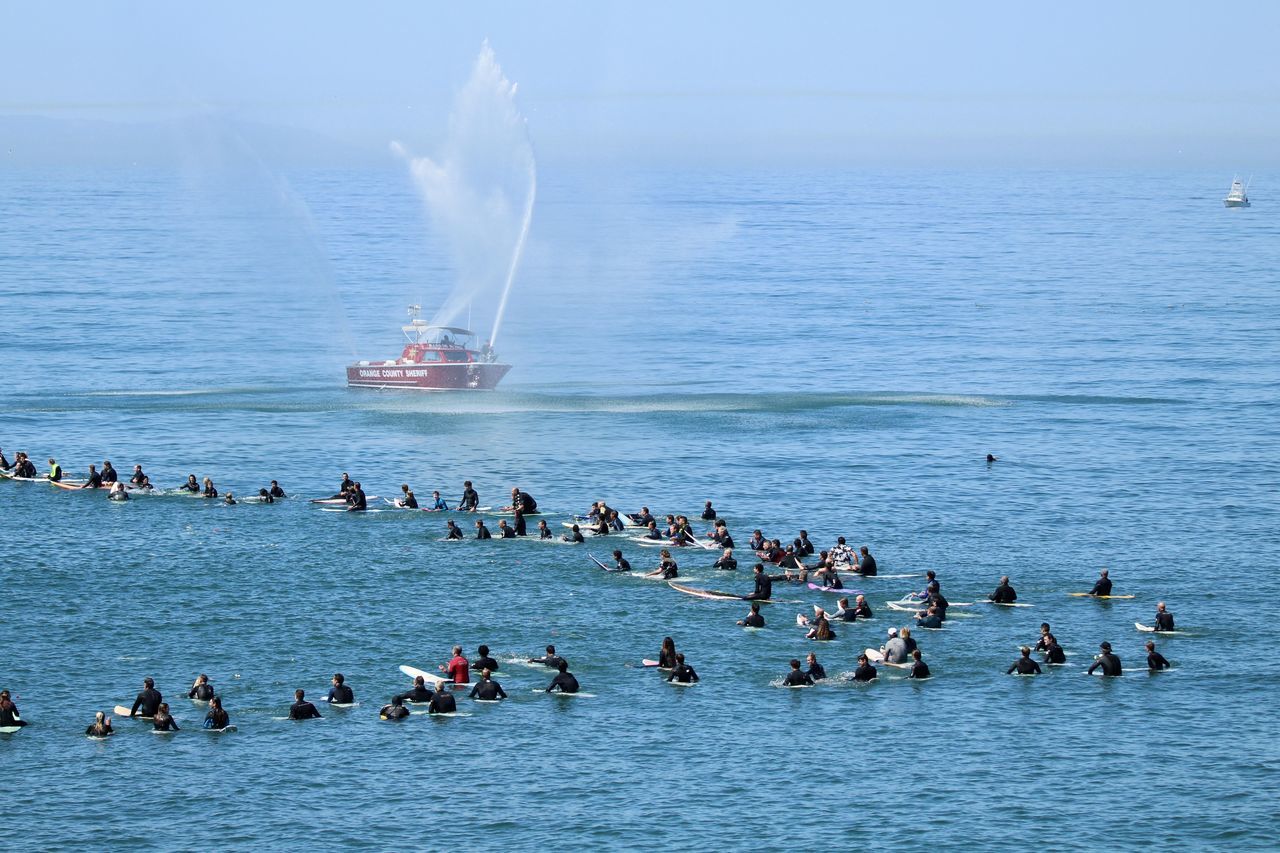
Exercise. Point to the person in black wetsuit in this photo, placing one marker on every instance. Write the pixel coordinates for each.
(201, 689)
(667, 654)
(1109, 663)
(862, 608)
(1164, 619)
(1053, 652)
(9, 715)
(453, 531)
(209, 491)
(100, 727)
(109, 474)
(356, 500)
(484, 661)
(523, 501)
(442, 702)
(275, 491)
(803, 545)
(866, 563)
(1004, 593)
(488, 690)
(148, 700)
(990, 459)
(408, 501)
(301, 709)
(504, 531)
(797, 677)
(138, 476)
(667, 567)
(815, 670)
(266, 496)
(192, 484)
(95, 479)
(1103, 586)
(620, 562)
(482, 532)
(919, 669)
(764, 585)
(865, 671)
(470, 498)
(753, 619)
(4, 463)
(907, 640)
(418, 692)
(683, 673)
(708, 513)
(229, 500)
(1155, 660)
(574, 536)
(931, 618)
(544, 532)
(1024, 665)
(163, 720)
(551, 659)
(395, 711)
(844, 613)
(341, 693)
(217, 718)
(564, 681)
(726, 561)
(1042, 643)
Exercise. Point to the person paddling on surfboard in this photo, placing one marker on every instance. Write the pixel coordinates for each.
(148, 700)
(301, 709)
(683, 673)
(1155, 660)
(564, 681)
(667, 568)
(753, 619)
(488, 690)
(1004, 593)
(653, 533)
(1109, 662)
(1164, 619)
(551, 659)
(1103, 586)
(117, 492)
(341, 693)
(202, 690)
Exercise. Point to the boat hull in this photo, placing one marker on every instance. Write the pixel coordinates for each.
(1235, 203)
(466, 376)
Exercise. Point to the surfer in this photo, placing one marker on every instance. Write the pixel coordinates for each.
(55, 471)
(9, 716)
(803, 545)
(453, 531)
(667, 654)
(1053, 652)
(209, 491)
(192, 484)
(217, 718)
(4, 463)
(117, 492)
(266, 497)
(457, 668)
(1108, 661)
(523, 502)
(550, 659)
(1164, 619)
(1043, 642)
(301, 709)
(544, 532)
(484, 661)
(470, 498)
(895, 648)
(1004, 593)
(275, 491)
(844, 613)
(753, 619)
(907, 639)
(109, 474)
(356, 500)
(652, 532)
(643, 517)
(230, 499)
(865, 671)
(790, 560)
(488, 690)
(797, 677)
(100, 727)
(667, 567)
(574, 536)
(1103, 585)
(482, 532)
(137, 477)
(438, 503)
(842, 554)
(862, 608)
(1155, 660)
(683, 673)
(395, 711)
(931, 619)
(442, 702)
(164, 721)
(764, 585)
(820, 629)
(757, 540)
(505, 531)
(409, 501)
(202, 690)
(829, 578)
(620, 563)
(815, 670)
(148, 700)
(727, 561)
(866, 563)
(341, 693)
(25, 468)
(1024, 665)
(95, 479)
(708, 513)
(919, 669)
(564, 681)
(418, 692)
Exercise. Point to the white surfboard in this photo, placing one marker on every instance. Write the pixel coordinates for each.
(428, 677)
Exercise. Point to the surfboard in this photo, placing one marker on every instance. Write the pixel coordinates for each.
(1007, 603)
(428, 677)
(606, 568)
(840, 591)
(648, 662)
(1151, 629)
(876, 656)
(1088, 595)
(123, 711)
(705, 593)
(894, 605)
(879, 576)
(8, 730)
(70, 484)
(223, 730)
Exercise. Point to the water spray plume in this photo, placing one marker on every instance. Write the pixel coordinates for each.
(480, 191)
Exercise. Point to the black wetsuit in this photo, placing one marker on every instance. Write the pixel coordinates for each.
(816, 672)
(753, 620)
(9, 715)
(94, 481)
(217, 718)
(797, 678)
(488, 691)
(27, 469)
(109, 475)
(574, 536)
(867, 566)
(552, 661)
(410, 502)
(666, 660)
(933, 621)
(146, 704)
(470, 500)
(303, 710)
(863, 610)
(455, 532)
(565, 682)
(669, 570)
(789, 561)
(168, 724)
(763, 590)
(919, 669)
(356, 500)
(910, 643)
(544, 532)
(1054, 654)
(99, 730)
(1164, 621)
(486, 662)
(709, 514)
(137, 478)
(1102, 587)
(940, 600)
(482, 532)
(341, 694)
(683, 674)
(442, 703)
(729, 564)
(507, 532)
(726, 541)
(1110, 665)
(1024, 666)
(850, 615)
(276, 492)
(189, 487)
(806, 547)
(865, 672)
(210, 491)
(203, 692)
(525, 503)
(393, 712)
(1155, 662)
(417, 694)
(1004, 594)
(621, 564)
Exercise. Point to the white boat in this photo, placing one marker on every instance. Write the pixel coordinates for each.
(1239, 195)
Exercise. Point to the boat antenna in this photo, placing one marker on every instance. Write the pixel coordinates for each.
(515, 256)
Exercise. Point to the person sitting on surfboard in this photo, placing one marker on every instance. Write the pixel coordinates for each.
(9, 716)
(753, 619)
(727, 561)
(275, 491)
(797, 677)
(919, 669)
(109, 474)
(683, 673)
(653, 532)
(708, 512)
(442, 702)
(1053, 652)
(574, 536)
(409, 501)
(1164, 619)
(844, 613)
(301, 709)
(419, 692)
(504, 530)
(395, 711)
(163, 720)
(138, 476)
(1109, 662)
(895, 648)
(564, 681)
(866, 563)
(643, 517)
(266, 496)
(341, 693)
(863, 609)
(100, 727)
(1004, 593)
(550, 659)
(1103, 586)
(865, 671)
(803, 545)
(95, 479)
(1042, 643)
(790, 560)
(842, 555)
(815, 670)
(544, 532)
(1024, 665)
(829, 578)
(356, 500)
(482, 532)
(764, 584)
(192, 484)
(454, 532)
(55, 471)
(202, 689)
(600, 527)
(24, 467)
(1155, 660)
(470, 498)
(667, 654)
(667, 568)
(485, 661)
(209, 491)
(117, 492)
(457, 668)
(620, 562)
(148, 700)
(488, 690)
(931, 619)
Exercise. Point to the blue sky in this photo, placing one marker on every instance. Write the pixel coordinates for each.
(1164, 84)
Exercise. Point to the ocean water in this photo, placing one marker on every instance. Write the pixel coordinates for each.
(833, 351)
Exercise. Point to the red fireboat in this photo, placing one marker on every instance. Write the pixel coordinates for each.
(436, 358)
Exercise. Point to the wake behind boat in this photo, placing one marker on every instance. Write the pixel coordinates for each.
(435, 358)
